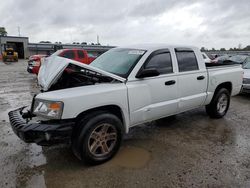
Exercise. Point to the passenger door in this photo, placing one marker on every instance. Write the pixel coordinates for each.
(192, 80)
(154, 97)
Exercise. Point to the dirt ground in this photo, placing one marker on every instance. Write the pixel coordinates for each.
(190, 150)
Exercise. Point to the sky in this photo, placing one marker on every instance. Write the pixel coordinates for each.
(210, 23)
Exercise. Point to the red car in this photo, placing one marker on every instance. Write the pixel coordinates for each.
(75, 54)
(34, 63)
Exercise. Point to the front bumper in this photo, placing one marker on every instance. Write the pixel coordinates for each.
(42, 133)
(245, 88)
(29, 69)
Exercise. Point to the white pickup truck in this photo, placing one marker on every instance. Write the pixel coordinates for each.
(92, 106)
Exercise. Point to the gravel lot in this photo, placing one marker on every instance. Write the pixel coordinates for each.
(190, 150)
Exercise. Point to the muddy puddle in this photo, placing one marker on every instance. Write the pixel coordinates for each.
(131, 157)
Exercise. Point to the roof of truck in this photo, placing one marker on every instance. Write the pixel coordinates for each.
(158, 46)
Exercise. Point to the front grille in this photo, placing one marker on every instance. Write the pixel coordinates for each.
(10, 53)
(246, 81)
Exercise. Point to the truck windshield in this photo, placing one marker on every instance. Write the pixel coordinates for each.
(118, 61)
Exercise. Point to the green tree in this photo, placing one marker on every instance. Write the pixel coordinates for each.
(203, 49)
(3, 31)
(247, 48)
(222, 49)
(45, 42)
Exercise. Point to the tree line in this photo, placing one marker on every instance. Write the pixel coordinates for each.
(247, 48)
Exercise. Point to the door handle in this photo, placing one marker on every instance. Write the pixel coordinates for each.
(171, 82)
(200, 77)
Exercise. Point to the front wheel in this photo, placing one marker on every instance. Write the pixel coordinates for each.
(99, 139)
(219, 104)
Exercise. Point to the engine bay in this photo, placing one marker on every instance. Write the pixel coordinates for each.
(76, 76)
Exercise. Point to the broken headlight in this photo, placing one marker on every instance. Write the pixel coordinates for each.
(48, 109)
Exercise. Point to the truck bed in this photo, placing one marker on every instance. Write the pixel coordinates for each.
(219, 65)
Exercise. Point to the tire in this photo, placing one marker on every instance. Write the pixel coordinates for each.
(98, 139)
(219, 105)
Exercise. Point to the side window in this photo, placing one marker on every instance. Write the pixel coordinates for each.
(186, 61)
(80, 54)
(68, 54)
(162, 62)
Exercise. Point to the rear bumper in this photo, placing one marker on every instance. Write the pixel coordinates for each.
(42, 133)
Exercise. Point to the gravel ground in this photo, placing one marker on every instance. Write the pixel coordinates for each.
(190, 150)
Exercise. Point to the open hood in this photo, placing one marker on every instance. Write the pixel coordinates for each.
(53, 67)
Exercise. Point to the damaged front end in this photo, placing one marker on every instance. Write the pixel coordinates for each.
(41, 132)
(43, 123)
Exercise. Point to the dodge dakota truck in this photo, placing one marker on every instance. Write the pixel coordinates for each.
(93, 106)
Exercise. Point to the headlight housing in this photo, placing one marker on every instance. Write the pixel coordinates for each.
(48, 109)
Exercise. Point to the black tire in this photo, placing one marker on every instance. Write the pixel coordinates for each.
(93, 124)
(213, 109)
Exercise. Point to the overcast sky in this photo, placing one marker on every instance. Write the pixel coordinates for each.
(210, 23)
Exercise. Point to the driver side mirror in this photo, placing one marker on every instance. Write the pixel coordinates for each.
(150, 72)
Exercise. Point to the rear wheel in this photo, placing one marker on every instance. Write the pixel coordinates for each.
(99, 138)
(219, 104)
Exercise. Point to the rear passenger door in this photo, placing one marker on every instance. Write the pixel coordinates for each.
(154, 97)
(192, 80)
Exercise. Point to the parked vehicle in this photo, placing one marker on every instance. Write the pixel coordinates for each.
(93, 105)
(10, 55)
(206, 58)
(221, 59)
(246, 76)
(34, 63)
(238, 58)
(75, 54)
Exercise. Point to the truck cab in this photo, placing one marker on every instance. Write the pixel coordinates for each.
(79, 55)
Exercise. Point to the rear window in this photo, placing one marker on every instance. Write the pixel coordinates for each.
(68, 54)
(186, 61)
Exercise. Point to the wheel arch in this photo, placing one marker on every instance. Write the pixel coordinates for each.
(113, 109)
(226, 85)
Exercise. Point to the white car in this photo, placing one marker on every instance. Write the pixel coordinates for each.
(92, 106)
(206, 58)
(246, 76)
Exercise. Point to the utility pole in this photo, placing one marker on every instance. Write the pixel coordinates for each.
(97, 39)
(19, 33)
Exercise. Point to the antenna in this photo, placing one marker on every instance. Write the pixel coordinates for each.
(18, 28)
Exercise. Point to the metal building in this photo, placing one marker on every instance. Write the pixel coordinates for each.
(20, 45)
(25, 49)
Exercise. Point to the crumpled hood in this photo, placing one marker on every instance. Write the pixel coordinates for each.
(246, 73)
(53, 66)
